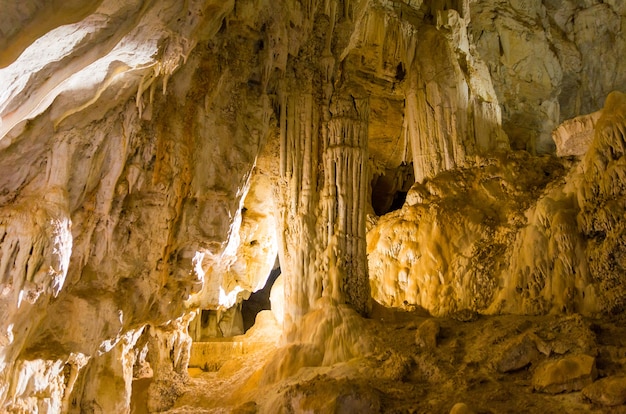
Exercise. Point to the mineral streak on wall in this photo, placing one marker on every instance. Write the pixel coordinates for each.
(452, 112)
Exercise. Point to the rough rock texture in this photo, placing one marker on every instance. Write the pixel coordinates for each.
(148, 151)
(331, 396)
(574, 136)
(549, 61)
(601, 196)
(608, 391)
(571, 373)
(518, 354)
(521, 235)
(461, 408)
(142, 197)
(400, 377)
(426, 335)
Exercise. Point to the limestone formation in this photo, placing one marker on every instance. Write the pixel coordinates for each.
(521, 352)
(571, 373)
(461, 408)
(426, 334)
(609, 391)
(517, 257)
(450, 157)
(574, 136)
(548, 61)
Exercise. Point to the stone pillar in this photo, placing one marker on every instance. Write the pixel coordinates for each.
(344, 199)
(298, 197)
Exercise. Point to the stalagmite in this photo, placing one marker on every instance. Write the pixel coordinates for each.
(168, 354)
(106, 385)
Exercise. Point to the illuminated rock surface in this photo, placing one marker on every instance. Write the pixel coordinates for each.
(568, 374)
(454, 158)
(609, 391)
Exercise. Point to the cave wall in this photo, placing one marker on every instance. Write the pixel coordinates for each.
(133, 136)
(549, 61)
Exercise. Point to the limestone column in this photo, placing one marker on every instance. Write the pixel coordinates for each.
(344, 199)
(299, 203)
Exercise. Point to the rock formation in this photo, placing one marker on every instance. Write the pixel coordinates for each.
(157, 157)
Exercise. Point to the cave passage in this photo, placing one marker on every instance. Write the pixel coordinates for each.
(390, 188)
(258, 301)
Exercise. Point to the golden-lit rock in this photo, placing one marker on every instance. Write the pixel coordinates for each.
(571, 373)
(156, 158)
(461, 408)
(609, 391)
(326, 395)
(574, 136)
(427, 334)
(519, 353)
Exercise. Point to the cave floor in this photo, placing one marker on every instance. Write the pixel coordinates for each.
(465, 366)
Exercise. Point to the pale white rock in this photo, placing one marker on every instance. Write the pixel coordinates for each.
(452, 112)
(574, 136)
(521, 63)
(245, 264)
(277, 299)
(548, 62)
(168, 354)
(84, 180)
(33, 379)
(107, 379)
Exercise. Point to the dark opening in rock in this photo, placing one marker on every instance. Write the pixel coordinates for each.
(389, 190)
(258, 301)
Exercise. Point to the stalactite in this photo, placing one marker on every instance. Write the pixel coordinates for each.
(452, 112)
(324, 181)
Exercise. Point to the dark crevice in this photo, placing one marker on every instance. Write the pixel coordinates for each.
(400, 72)
(389, 190)
(398, 201)
(258, 301)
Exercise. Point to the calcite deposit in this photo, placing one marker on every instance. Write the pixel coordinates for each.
(396, 160)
